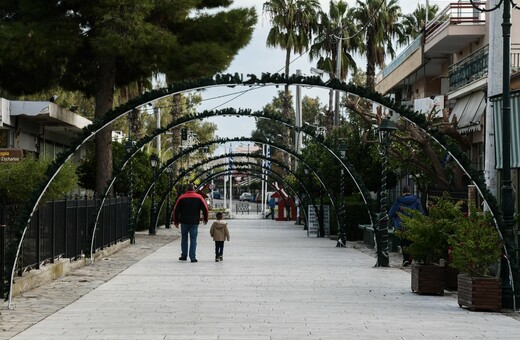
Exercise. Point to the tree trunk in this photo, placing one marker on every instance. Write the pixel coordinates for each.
(104, 96)
(371, 66)
(330, 112)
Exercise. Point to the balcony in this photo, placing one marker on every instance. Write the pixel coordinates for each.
(470, 69)
(453, 28)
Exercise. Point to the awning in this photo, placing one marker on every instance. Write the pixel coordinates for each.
(470, 118)
(459, 107)
(515, 129)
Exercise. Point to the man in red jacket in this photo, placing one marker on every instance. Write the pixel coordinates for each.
(187, 212)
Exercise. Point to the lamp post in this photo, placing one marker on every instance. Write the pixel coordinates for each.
(168, 208)
(129, 147)
(154, 162)
(507, 199)
(305, 202)
(385, 130)
(342, 232)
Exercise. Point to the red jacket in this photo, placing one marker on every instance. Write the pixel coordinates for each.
(188, 207)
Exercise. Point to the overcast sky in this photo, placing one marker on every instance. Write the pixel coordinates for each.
(257, 58)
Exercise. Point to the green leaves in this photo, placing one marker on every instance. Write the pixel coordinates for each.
(430, 233)
(476, 245)
(18, 180)
(471, 242)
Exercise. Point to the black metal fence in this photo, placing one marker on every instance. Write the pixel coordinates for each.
(60, 229)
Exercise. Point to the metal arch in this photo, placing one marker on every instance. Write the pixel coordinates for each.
(181, 87)
(278, 176)
(225, 171)
(198, 146)
(273, 174)
(260, 114)
(217, 141)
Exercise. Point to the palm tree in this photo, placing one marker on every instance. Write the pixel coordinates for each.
(414, 23)
(380, 22)
(294, 22)
(332, 26)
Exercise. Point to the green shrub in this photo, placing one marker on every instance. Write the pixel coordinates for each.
(430, 234)
(476, 245)
(18, 180)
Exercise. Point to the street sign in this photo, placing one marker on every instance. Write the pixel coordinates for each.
(11, 155)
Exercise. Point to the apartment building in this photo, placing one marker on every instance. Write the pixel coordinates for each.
(445, 73)
(40, 128)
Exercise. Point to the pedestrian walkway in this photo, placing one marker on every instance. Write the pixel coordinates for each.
(274, 283)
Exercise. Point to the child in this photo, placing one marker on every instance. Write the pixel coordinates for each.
(219, 231)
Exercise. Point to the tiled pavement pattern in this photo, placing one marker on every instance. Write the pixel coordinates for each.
(274, 283)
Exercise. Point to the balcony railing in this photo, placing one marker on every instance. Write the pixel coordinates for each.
(515, 58)
(401, 58)
(469, 69)
(461, 13)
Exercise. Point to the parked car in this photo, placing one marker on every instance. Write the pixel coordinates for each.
(246, 196)
(216, 195)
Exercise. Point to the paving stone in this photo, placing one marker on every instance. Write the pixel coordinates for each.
(274, 283)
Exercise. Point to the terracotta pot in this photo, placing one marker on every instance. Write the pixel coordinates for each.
(479, 293)
(427, 279)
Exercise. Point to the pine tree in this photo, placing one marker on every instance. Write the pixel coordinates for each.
(98, 46)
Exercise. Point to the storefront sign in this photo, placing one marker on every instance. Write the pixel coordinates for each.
(11, 155)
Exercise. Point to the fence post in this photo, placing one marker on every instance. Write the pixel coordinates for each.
(38, 238)
(2, 257)
(53, 231)
(76, 223)
(65, 229)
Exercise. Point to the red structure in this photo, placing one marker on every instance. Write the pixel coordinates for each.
(285, 205)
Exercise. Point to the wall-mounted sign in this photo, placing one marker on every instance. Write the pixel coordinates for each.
(11, 155)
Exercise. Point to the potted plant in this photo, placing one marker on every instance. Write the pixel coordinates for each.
(476, 250)
(429, 235)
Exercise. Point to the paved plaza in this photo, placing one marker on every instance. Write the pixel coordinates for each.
(274, 283)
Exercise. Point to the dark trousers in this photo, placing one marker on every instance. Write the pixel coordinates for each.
(404, 245)
(271, 213)
(219, 248)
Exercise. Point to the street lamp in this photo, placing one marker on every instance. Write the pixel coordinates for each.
(508, 197)
(342, 232)
(386, 128)
(306, 224)
(154, 162)
(129, 147)
(168, 208)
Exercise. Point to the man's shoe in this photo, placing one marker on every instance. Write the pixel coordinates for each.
(194, 260)
(406, 263)
(183, 258)
(216, 259)
(221, 258)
